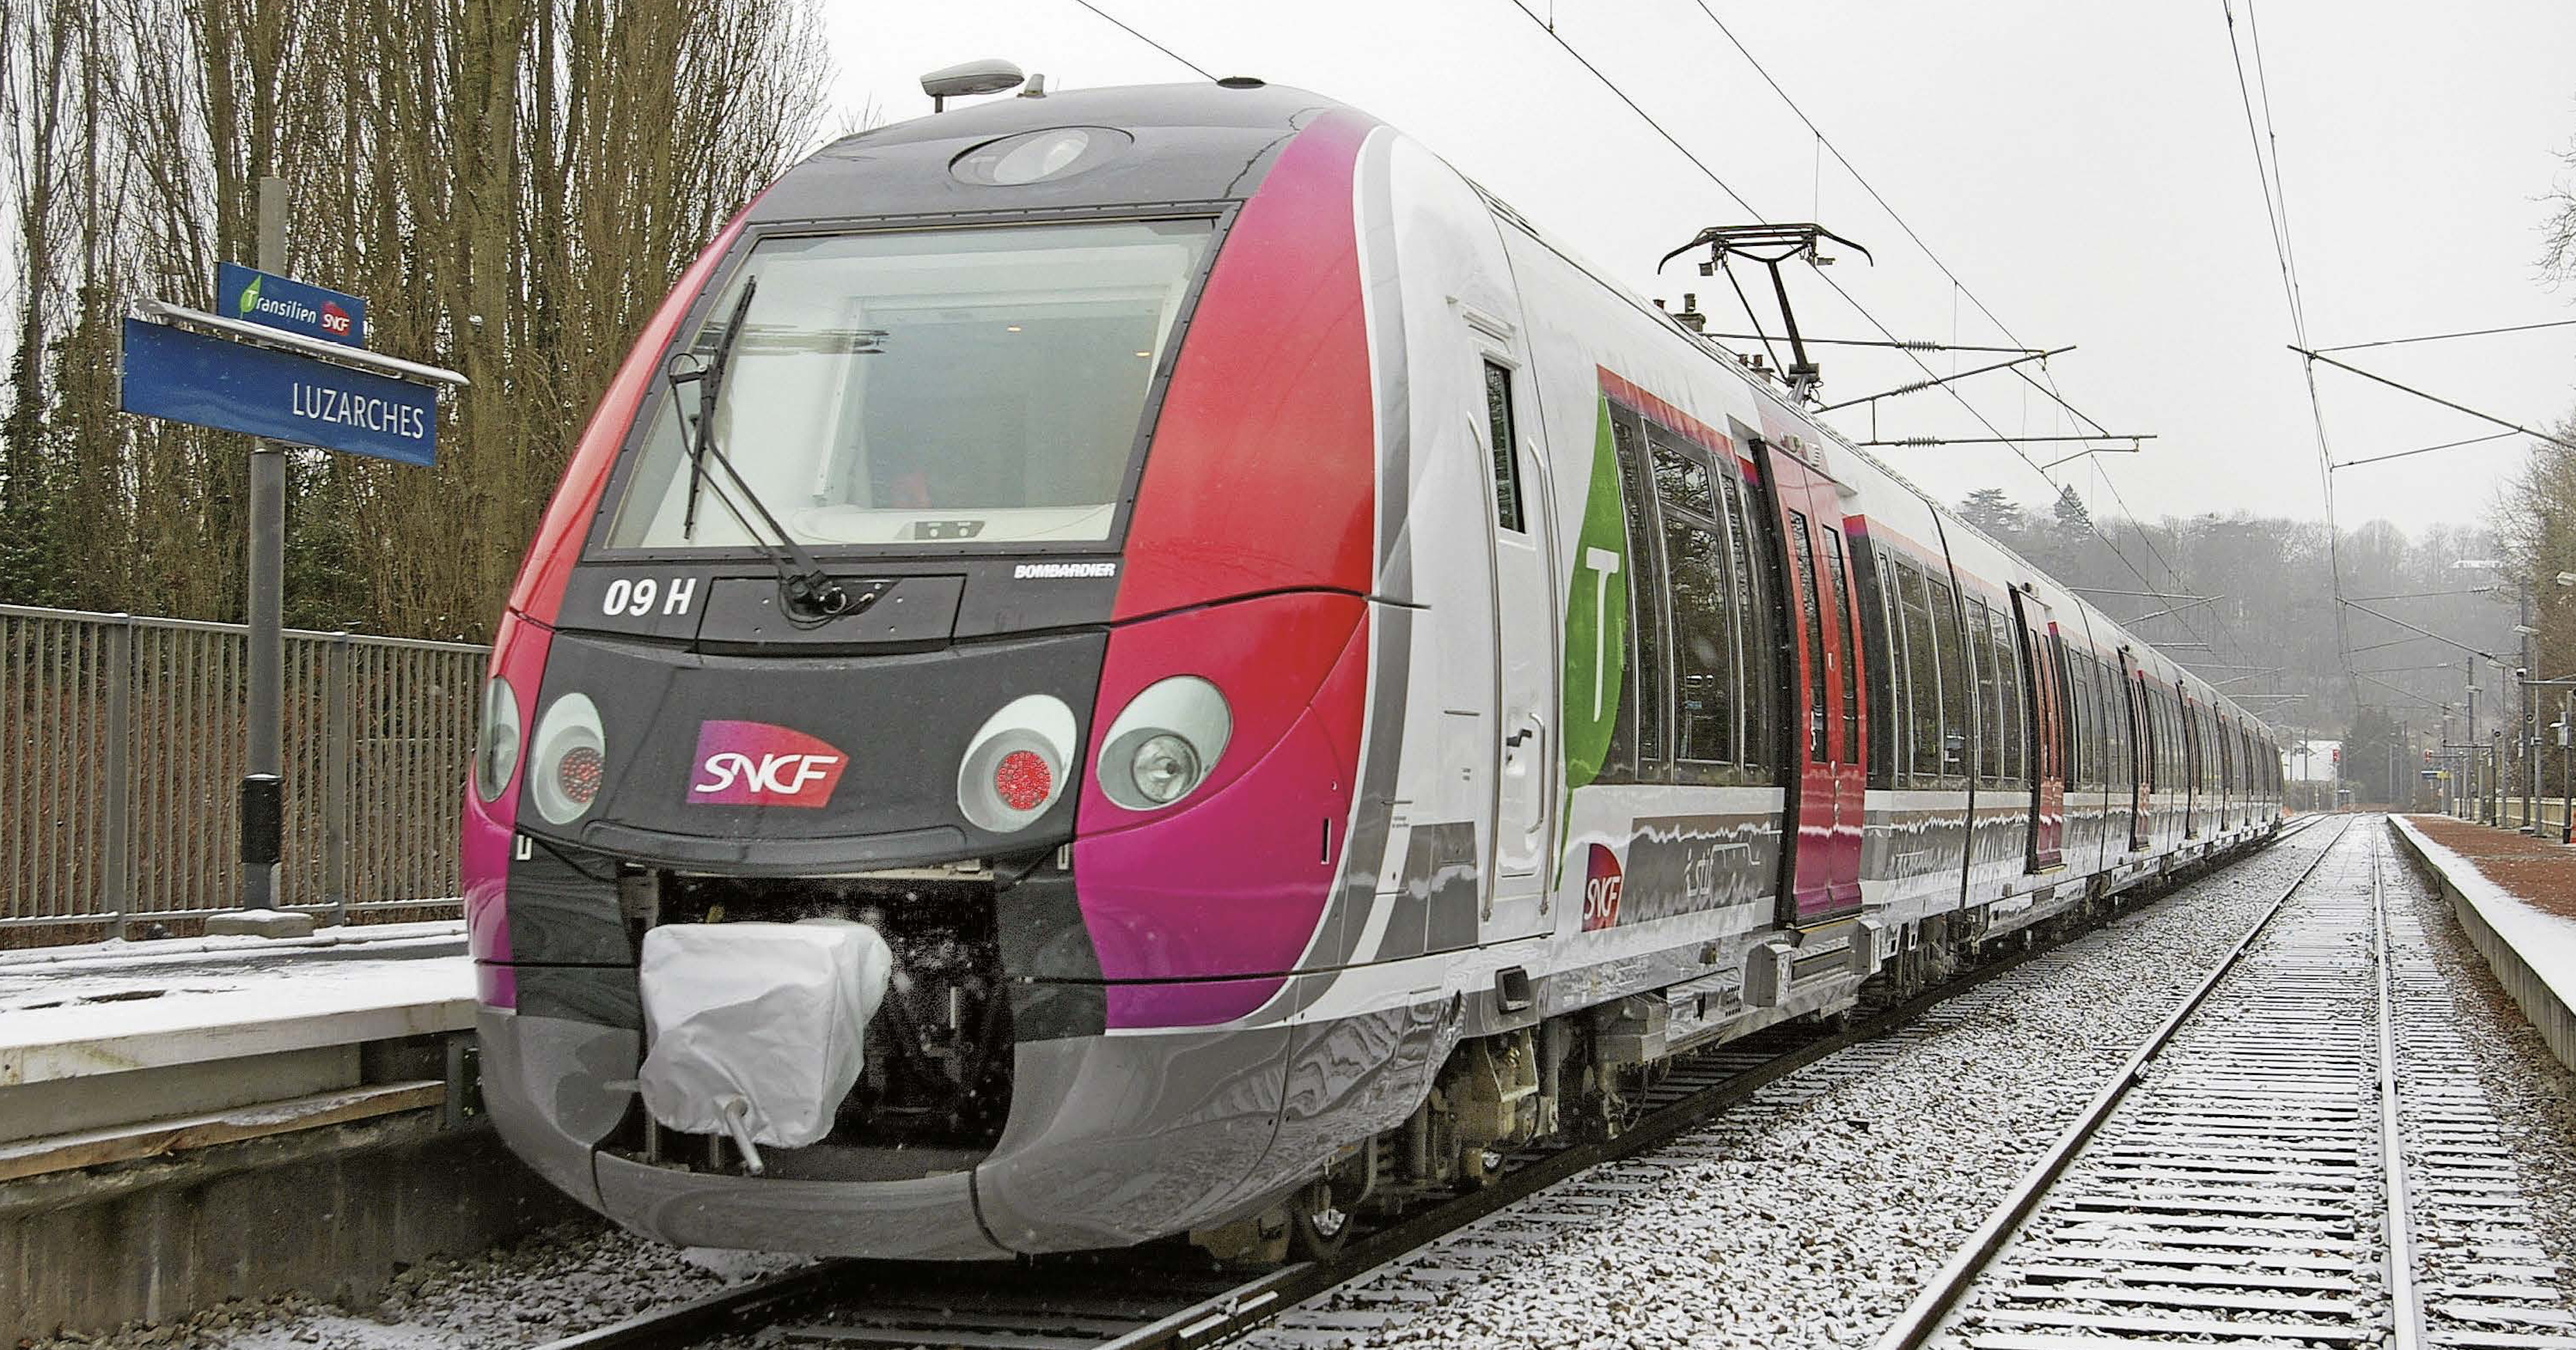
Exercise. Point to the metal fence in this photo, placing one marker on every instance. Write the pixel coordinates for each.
(121, 759)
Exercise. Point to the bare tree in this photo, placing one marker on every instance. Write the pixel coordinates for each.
(512, 184)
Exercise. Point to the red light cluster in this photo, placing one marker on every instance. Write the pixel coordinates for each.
(578, 775)
(1022, 780)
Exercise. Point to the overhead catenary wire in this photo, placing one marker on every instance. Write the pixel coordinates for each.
(1960, 288)
(1140, 37)
(2422, 450)
(2444, 337)
(2436, 398)
(2276, 213)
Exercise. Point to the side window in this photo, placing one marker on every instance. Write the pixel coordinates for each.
(1636, 752)
(1922, 676)
(1704, 677)
(1802, 568)
(1505, 445)
(2081, 758)
(1884, 642)
(1990, 729)
(1748, 542)
(1840, 570)
(2014, 684)
(1958, 684)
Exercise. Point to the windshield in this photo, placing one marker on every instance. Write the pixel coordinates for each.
(926, 387)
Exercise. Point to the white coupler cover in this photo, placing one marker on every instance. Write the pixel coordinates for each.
(767, 1015)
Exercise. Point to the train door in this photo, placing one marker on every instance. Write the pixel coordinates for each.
(1820, 871)
(2193, 798)
(2142, 750)
(2044, 849)
(1525, 661)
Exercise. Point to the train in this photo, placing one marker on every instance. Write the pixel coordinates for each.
(1155, 663)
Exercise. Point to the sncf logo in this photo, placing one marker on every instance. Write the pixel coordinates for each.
(757, 764)
(1601, 886)
(335, 319)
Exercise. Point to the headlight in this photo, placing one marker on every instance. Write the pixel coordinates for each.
(1164, 742)
(496, 741)
(569, 761)
(1164, 767)
(1014, 766)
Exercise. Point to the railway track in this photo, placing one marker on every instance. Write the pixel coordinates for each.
(1168, 1296)
(2300, 1156)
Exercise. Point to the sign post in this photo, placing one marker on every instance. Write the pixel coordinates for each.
(285, 362)
(263, 789)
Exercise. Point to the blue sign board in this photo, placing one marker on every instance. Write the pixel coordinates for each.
(289, 305)
(234, 386)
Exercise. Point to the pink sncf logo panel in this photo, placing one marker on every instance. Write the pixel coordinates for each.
(1602, 884)
(761, 764)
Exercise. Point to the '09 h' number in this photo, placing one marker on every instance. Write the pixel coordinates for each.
(635, 597)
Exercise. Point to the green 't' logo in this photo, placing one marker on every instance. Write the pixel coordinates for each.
(250, 296)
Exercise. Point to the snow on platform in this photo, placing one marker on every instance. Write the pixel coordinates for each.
(2516, 895)
(97, 1008)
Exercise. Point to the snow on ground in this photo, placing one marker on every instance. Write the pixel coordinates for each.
(1812, 1214)
(92, 989)
(557, 1283)
(2534, 1094)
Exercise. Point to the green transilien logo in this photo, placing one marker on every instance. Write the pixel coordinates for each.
(250, 297)
(1596, 625)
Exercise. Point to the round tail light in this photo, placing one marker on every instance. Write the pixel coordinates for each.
(1014, 766)
(568, 760)
(1024, 780)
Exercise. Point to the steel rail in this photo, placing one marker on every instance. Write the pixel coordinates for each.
(1915, 1326)
(2406, 1303)
(1236, 1311)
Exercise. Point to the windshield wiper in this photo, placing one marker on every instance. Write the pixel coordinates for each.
(807, 594)
(710, 381)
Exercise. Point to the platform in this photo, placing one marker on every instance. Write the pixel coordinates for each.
(2516, 896)
(317, 1091)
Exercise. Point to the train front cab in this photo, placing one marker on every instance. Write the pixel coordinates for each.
(1093, 696)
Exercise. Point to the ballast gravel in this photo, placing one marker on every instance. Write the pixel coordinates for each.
(1812, 1214)
(552, 1284)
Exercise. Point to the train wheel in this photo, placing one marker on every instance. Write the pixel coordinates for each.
(1318, 1224)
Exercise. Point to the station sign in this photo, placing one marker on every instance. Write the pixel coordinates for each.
(206, 381)
(288, 305)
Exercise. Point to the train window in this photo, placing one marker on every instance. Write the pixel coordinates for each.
(1990, 716)
(2012, 686)
(1802, 569)
(1703, 637)
(1958, 686)
(2070, 721)
(1922, 676)
(2123, 729)
(1882, 646)
(1758, 625)
(1637, 737)
(1504, 444)
(1679, 479)
(1839, 570)
(2110, 732)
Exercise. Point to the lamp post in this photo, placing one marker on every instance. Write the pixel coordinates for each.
(2566, 687)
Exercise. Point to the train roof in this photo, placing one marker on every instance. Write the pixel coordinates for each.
(1187, 143)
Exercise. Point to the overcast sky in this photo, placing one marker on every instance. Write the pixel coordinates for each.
(2085, 169)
